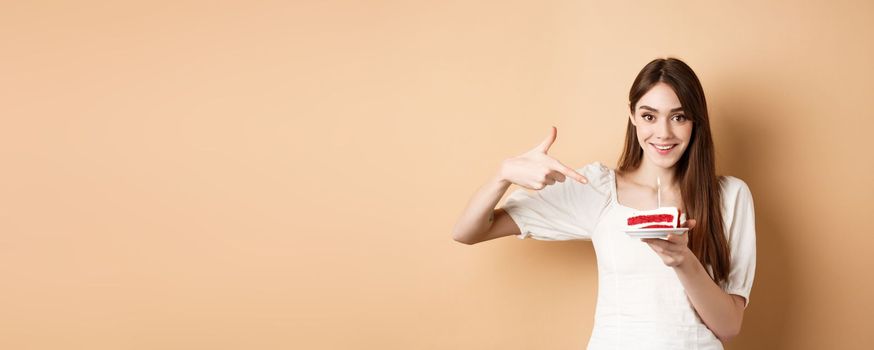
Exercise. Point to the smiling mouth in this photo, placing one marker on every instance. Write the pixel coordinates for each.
(663, 149)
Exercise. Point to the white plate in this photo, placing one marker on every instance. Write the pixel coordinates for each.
(655, 232)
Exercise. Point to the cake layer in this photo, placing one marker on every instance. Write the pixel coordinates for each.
(643, 219)
(664, 217)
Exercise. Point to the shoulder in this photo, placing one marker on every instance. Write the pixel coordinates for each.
(736, 195)
(734, 187)
(595, 168)
(599, 175)
(738, 213)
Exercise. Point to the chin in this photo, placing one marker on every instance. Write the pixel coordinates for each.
(666, 165)
(663, 163)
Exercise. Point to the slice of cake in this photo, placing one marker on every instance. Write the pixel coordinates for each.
(664, 217)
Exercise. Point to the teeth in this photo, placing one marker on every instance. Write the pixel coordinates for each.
(664, 148)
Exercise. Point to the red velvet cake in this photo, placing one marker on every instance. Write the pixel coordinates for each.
(664, 217)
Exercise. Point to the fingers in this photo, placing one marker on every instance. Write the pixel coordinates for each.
(577, 176)
(557, 166)
(556, 176)
(670, 239)
(656, 241)
(549, 180)
(676, 238)
(671, 249)
(571, 173)
(689, 223)
(544, 146)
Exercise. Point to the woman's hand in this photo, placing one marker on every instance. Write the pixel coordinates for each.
(674, 250)
(535, 169)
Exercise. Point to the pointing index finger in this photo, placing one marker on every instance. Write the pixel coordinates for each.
(567, 171)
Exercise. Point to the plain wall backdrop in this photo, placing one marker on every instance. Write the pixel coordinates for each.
(286, 175)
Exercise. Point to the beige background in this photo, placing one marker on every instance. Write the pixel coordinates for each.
(285, 175)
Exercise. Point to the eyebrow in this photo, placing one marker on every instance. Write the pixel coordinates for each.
(655, 110)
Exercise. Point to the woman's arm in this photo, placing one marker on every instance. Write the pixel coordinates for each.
(721, 312)
(480, 221)
(534, 169)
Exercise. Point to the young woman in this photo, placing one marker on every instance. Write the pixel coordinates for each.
(687, 291)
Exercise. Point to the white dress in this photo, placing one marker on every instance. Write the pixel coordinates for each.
(641, 302)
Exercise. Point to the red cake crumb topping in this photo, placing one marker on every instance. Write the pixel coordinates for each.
(642, 219)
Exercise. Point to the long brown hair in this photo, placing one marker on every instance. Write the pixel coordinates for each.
(696, 169)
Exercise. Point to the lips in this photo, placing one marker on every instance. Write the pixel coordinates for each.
(664, 148)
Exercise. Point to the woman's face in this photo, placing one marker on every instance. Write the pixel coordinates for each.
(663, 131)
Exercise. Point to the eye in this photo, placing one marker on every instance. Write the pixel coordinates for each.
(680, 118)
(647, 117)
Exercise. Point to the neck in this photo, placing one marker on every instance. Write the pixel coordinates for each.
(647, 174)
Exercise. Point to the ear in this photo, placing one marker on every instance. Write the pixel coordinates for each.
(631, 119)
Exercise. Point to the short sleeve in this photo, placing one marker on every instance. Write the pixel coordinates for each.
(740, 222)
(562, 211)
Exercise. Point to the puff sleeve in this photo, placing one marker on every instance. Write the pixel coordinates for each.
(563, 211)
(740, 222)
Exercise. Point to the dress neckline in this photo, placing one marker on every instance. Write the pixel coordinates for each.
(614, 187)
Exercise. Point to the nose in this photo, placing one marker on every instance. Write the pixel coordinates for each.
(663, 130)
